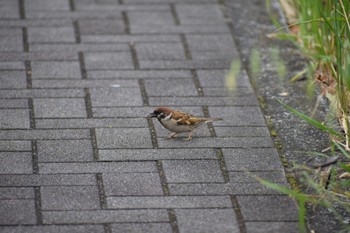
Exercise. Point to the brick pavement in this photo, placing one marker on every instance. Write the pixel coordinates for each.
(77, 78)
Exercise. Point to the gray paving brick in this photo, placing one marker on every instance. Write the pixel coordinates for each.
(108, 60)
(13, 103)
(64, 150)
(220, 189)
(238, 116)
(90, 123)
(272, 227)
(51, 34)
(104, 216)
(17, 212)
(47, 180)
(200, 14)
(218, 78)
(44, 5)
(9, 31)
(268, 208)
(15, 146)
(233, 142)
(206, 101)
(155, 154)
(54, 69)
(168, 202)
(191, 171)
(123, 138)
(70, 198)
(242, 131)
(16, 193)
(91, 167)
(39, 56)
(160, 51)
(113, 3)
(188, 29)
(9, 9)
(80, 47)
(155, 18)
(145, 74)
(207, 220)
(53, 229)
(168, 1)
(11, 43)
(185, 64)
(58, 108)
(101, 26)
(218, 43)
(83, 83)
(179, 87)
(132, 184)
(73, 15)
(41, 93)
(263, 159)
(138, 111)
(12, 65)
(45, 134)
(248, 177)
(16, 163)
(202, 20)
(129, 38)
(107, 5)
(14, 119)
(12, 79)
(142, 227)
(212, 55)
(20, 23)
(121, 111)
(232, 91)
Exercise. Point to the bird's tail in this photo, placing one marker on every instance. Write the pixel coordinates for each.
(208, 120)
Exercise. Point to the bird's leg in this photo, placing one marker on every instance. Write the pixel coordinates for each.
(189, 136)
(172, 135)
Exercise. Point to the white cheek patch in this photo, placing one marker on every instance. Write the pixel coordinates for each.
(168, 117)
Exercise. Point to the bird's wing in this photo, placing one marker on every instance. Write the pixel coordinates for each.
(183, 118)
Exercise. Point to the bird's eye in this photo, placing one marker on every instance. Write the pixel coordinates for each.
(161, 115)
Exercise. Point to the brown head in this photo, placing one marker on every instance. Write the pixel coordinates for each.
(160, 112)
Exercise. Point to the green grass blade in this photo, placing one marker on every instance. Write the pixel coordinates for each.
(285, 190)
(344, 152)
(298, 75)
(302, 215)
(310, 120)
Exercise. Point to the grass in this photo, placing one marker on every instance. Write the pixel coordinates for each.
(322, 34)
(325, 181)
(320, 29)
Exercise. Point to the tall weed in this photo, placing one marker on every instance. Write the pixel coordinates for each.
(320, 29)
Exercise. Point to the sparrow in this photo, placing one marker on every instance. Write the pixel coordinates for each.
(179, 122)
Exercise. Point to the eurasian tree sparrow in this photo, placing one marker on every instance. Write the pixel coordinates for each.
(179, 122)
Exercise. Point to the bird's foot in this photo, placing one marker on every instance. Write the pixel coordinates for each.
(189, 137)
(172, 135)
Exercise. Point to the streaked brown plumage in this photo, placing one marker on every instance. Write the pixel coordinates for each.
(179, 122)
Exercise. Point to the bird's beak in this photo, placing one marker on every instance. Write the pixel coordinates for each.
(151, 115)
